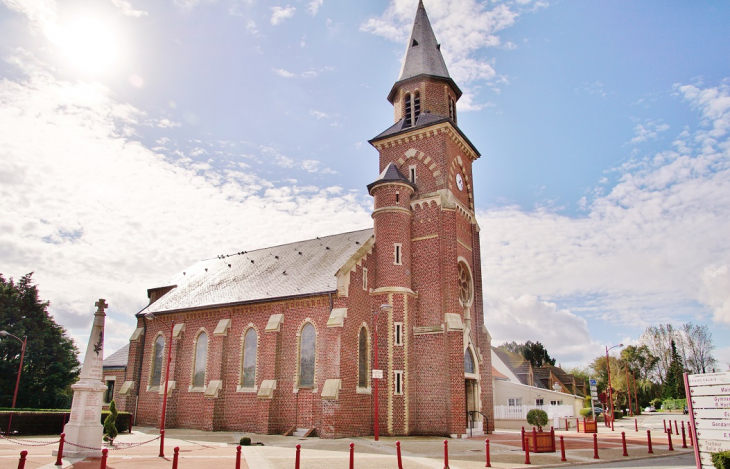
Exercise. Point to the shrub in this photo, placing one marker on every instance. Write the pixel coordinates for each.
(51, 423)
(537, 418)
(721, 460)
(674, 404)
(656, 403)
(244, 441)
(618, 414)
(110, 428)
(587, 402)
(586, 412)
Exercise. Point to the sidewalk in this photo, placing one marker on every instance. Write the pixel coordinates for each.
(199, 449)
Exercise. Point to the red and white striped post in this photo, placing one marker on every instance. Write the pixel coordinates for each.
(21, 462)
(648, 440)
(489, 463)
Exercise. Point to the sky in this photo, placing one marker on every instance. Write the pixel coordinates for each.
(137, 138)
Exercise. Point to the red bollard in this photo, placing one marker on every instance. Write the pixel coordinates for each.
(534, 439)
(562, 449)
(489, 463)
(669, 437)
(162, 444)
(623, 442)
(59, 458)
(21, 462)
(238, 457)
(446, 454)
(691, 439)
(595, 446)
(526, 445)
(523, 438)
(176, 451)
(104, 454)
(577, 425)
(665, 425)
(636, 425)
(676, 429)
(397, 450)
(648, 440)
(296, 459)
(684, 436)
(352, 455)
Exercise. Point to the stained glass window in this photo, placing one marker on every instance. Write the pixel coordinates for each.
(307, 356)
(468, 362)
(157, 361)
(201, 358)
(249, 359)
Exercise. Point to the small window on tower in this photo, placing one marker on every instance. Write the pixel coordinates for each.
(416, 106)
(398, 333)
(365, 278)
(397, 197)
(397, 254)
(407, 112)
(452, 109)
(412, 174)
(398, 388)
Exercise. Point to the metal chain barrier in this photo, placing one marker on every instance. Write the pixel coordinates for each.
(118, 446)
(22, 442)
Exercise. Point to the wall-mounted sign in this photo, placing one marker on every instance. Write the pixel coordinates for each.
(377, 374)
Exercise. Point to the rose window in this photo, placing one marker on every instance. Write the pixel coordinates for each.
(465, 285)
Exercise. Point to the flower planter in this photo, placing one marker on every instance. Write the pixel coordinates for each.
(587, 426)
(539, 442)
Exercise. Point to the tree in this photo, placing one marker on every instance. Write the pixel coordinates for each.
(639, 360)
(50, 365)
(110, 423)
(674, 384)
(533, 352)
(658, 341)
(697, 347)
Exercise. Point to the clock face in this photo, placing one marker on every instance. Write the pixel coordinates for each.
(459, 182)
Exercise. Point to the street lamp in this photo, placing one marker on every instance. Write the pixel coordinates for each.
(610, 390)
(150, 317)
(20, 369)
(376, 372)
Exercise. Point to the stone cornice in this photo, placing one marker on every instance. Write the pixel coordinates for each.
(396, 290)
(391, 209)
(423, 132)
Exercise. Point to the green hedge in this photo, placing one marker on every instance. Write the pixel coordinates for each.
(721, 460)
(674, 404)
(51, 423)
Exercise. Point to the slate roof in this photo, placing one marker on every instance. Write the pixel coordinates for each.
(423, 53)
(117, 359)
(390, 174)
(296, 269)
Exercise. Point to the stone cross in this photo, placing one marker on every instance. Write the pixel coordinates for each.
(101, 305)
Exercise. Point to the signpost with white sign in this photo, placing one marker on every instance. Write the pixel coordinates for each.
(708, 402)
(594, 396)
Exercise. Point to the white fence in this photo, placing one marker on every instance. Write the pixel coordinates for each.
(519, 412)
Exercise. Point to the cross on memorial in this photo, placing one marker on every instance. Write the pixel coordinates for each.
(101, 305)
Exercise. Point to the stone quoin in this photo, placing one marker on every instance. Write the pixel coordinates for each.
(281, 338)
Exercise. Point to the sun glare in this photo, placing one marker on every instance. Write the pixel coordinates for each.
(89, 45)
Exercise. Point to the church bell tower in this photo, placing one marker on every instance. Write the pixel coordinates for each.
(438, 352)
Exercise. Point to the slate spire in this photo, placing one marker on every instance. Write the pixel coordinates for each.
(423, 53)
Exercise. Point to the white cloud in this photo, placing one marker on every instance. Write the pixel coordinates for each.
(95, 213)
(314, 6)
(284, 73)
(648, 130)
(652, 249)
(126, 8)
(41, 14)
(319, 114)
(279, 14)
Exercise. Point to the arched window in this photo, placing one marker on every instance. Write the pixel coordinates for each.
(307, 346)
(248, 379)
(363, 361)
(416, 106)
(468, 362)
(452, 109)
(157, 361)
(466, 289)
(201, 359)
(407, 112)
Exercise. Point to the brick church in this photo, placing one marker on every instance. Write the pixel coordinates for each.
(283, 338)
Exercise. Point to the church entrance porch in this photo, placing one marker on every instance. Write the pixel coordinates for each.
(474, 418)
